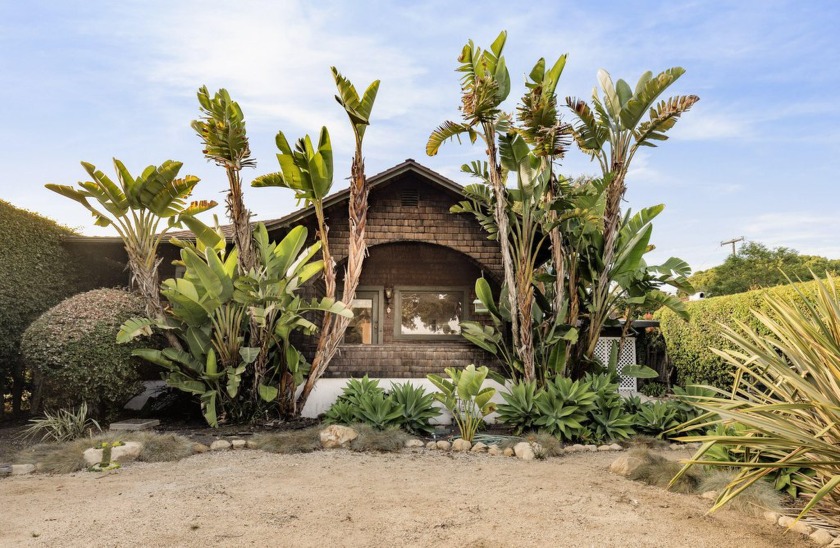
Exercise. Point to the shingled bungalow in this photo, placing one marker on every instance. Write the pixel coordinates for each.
(416, 285)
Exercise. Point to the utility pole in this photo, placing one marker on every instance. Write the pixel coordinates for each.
(733, 241)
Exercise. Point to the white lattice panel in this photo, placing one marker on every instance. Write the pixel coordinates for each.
(626, 357)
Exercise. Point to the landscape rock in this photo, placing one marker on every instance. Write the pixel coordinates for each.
(798, 527)
(709, 495)
(200, 448)
(626, 464)
(771, 517)
(336, 435)
(443, 445)
(413, 443)
(126, 452)
(590, 447)
(822, 537)
(251, 444)
(616, 447)
(479, 448)
(461, 445)
(238, 444)
(576, 448)
(220, 445)
(431, 445)
(508, 452)
(494, 450)
(22, 469)
(604, 448)
(524, 451)
(5, 470)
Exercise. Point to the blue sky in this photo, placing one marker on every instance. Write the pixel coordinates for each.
(758, 156)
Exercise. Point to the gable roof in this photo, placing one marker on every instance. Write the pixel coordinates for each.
(409, 166)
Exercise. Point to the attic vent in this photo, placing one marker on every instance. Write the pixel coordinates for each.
(410, 197)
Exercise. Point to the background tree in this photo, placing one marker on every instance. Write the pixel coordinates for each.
(756, 266)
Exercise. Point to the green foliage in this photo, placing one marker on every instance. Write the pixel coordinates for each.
(212, 310)
(379, 411)
(607, 419)
(632, 404)
(786, 395)
(416, 406)
(36, 273)
(462, 395)
(364, 401)
(519, 410)
(653, 389)
(72, 350)
(341, 412)
(690, 343)
(563, 406)
(656, 418)
(63, 425)
(755, 266)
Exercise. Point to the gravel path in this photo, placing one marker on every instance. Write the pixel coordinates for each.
(339, 498)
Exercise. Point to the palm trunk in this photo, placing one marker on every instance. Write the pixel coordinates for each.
(333, 327)
(612, 221)
(144, 277)
(240, 218)
(500, 215)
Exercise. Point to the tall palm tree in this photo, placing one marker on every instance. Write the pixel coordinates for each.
(142, 210)
(222, 131)
(611, 131)
(309, 172)
(484, 86)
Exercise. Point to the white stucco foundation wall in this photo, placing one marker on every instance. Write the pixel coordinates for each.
(326, 391)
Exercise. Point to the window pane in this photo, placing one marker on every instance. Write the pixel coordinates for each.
(360, 329)
(431, 312)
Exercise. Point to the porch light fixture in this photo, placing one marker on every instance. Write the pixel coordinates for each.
(479, 307)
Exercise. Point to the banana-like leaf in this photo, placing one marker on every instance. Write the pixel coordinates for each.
(639, 372)
(662, 118)
(448, 130)
(249, 354)
(154, 356)
(268, 393)
(135, 327)
(647, 91)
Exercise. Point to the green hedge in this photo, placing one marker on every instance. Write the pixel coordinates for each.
(36, 273)
(690, 342)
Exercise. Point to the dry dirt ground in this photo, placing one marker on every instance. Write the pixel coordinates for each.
(339, 498)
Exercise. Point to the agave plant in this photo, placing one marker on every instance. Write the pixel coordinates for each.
(786, 399)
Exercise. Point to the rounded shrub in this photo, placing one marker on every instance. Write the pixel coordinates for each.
(73, 354)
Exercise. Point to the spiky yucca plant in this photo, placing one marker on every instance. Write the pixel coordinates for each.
(786, 395)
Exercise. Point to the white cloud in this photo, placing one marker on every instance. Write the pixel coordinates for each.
(808, 233)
